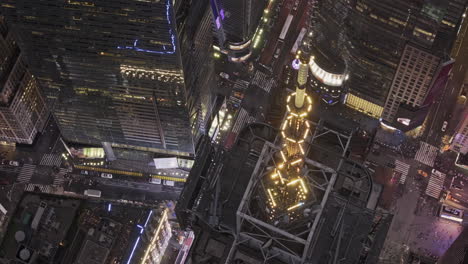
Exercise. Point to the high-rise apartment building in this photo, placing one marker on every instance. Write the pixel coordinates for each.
(23, 110)
(112, 71)
(235, 24)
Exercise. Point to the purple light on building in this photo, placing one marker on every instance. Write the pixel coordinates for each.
(295, 64)
(218, 23)
(222, 14)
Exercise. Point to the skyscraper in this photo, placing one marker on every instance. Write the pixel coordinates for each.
(112, 71)
(23, 110)
(236, 23)
(376, 35)
(195, 30)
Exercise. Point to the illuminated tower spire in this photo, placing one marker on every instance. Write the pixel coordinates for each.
(302, 76)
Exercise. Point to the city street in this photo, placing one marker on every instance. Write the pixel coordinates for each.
(443, 108)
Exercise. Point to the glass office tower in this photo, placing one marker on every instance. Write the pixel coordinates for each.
(236, 23)
(111, 70)
(195, 30)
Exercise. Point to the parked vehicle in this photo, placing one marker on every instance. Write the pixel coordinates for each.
(155, 180)
(444, 126)
(14, 163)
(106, 175)
(422, 173)
(92, 193)
(168, 183)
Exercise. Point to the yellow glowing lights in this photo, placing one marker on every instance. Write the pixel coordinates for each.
(152, 244)
(294, 206)
(294, 130)
(302, 149)
(293, 182)
(271, 198)
(296, 161)
(304, 188)
(283, 156)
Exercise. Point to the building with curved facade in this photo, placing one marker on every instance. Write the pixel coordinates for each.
(373, 35)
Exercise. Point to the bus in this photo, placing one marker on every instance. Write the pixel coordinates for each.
(299, 39)
(286, 25)
(92, 193)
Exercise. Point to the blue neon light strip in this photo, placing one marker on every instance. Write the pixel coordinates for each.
(133, 250)
(147, 219)
(142, 228)
(172, 50)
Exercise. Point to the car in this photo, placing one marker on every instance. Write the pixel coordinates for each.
(106, 175)
(224, 75)
(444, 126)
(422, 173)
(84, 172)
(14, 163)
(155, 180)
(277, 52)
(168, 183)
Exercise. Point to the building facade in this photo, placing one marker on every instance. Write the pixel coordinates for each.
(195, 30)
(23, 110)
(460, 138)
(111, 71)
(412, 80)
(153, 238)
(381, 35)
(235, 25)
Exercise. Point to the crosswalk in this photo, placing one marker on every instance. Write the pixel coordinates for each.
(51, 160)
(26, 173)
(263, 81)
(241, 120)
(42, 188)
(402, 168)
(435, 185)
(59, 177)
(426, 154)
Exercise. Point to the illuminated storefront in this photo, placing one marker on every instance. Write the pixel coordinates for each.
(363, 106)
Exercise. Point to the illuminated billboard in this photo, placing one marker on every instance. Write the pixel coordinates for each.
(439, 82)
(88, 153)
